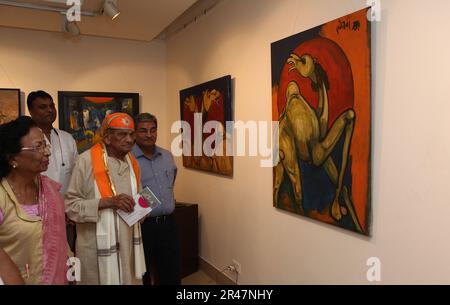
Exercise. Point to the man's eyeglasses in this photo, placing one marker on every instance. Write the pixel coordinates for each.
(40, 148)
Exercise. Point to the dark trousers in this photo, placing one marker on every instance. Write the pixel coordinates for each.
(71, 232)
(162, 251)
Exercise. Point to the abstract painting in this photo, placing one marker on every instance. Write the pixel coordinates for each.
(208, 102)
(321, 97)
(9, 105)
(82, 113)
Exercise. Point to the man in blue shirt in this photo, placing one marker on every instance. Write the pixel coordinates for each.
(159, 231)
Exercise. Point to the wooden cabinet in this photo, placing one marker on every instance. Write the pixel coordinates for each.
(186, 216)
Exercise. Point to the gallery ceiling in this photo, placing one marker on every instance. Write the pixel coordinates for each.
(138, 20)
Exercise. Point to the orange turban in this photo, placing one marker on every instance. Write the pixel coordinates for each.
(117, 120)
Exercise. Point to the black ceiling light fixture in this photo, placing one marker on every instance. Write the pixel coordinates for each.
(70, 27)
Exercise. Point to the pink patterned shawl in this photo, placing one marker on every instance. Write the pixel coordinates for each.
(51, 206)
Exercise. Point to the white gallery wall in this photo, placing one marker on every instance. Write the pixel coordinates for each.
(33, 60)
(410, 156)
(411, 146)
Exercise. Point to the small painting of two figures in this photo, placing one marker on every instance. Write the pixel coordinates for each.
(321, 96)
(200, 105)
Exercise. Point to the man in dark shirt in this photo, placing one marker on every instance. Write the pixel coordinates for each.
(159, 231)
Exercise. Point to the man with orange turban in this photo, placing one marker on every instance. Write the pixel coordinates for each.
(105, 179)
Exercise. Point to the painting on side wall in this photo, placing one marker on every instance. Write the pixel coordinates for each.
(207, 103)
(9, 105)
(82, 113)
(321, 96)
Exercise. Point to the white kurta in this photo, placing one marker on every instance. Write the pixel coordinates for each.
(82, 208)
(64, 151)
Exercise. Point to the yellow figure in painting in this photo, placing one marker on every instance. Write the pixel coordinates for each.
(3, 118)
(304, 135)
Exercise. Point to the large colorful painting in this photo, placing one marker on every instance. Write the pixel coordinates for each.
(82, 113)
(210, 101)
(9, 105)
(321, 96)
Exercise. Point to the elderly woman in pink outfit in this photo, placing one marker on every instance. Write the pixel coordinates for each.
(32, 219)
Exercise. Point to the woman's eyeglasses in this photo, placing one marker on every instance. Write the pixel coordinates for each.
(41, 148)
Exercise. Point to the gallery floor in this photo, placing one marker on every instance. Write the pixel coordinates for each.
(198, 278)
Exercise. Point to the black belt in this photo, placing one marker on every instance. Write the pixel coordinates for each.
(159, 219)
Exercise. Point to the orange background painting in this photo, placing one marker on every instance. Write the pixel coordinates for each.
(359, 57)
(342, 47)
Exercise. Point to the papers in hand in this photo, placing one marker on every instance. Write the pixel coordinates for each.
(145, 201)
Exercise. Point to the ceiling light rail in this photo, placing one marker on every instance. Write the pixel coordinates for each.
(108, 8)
(46, 8)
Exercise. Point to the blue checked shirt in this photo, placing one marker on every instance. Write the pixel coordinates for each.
(158, 173)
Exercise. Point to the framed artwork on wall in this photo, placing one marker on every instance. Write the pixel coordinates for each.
(82, 113)
(208, 102)
(9, 105)
(321, 97)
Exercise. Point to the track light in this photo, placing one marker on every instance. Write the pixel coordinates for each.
(73, 28)
(70, 27)
(110, 9)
